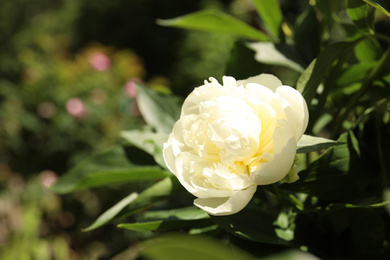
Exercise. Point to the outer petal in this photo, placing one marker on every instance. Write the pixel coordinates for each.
(267, 80)
(168, 155)
(298, 108)
(227, 206)
(284, 154)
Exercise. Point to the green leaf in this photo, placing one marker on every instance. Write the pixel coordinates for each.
(241, 63)
(160, 191)
(291, 255)
(109, 167)
(307, 35)
(160, 111)
(357, 231)
(282, 55)
(215, 21)
(381, 5)
(386, 196)
(362, 15)
(148, 141)
(363, 206)
(112, 212)
(368, 50)
(132, 204)
(252, 223)
(170, 219)
(309, 144)
(269, 11)
(337, 174)
(315, 73)
(168, 224)
(190, 247)
(355, 73)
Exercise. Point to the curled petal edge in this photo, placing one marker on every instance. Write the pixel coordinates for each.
(226, 206)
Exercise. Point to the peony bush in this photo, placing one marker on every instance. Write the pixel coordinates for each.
(265, 177)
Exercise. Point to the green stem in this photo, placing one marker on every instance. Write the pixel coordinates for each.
(382, 64)
(380, 152)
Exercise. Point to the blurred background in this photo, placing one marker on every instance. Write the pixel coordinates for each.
(67, 75)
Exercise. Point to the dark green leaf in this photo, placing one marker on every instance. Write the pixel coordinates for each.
(309, 144)
(356, 231)
(307, 35)
(109, 167)
(252, 223)
(159, 111)
(362, 15)
(315, 73)
(148, 141)
(269, 11)
(215, 21)
(242, 63)
(336, 175)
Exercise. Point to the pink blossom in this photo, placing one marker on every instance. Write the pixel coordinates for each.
(76, 107)
(100, 62)
(130, 88)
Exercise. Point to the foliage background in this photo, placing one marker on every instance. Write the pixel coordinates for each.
(93, 52)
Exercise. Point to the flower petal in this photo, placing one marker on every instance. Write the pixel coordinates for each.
(298, 106)
(283, 158)
(168, 154)
(226, 206)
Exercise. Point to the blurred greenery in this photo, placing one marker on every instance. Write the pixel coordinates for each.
(68, 73)
(75, 74)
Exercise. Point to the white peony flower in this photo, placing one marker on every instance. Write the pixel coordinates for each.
(231, 138)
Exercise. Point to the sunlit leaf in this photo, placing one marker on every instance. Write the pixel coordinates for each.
(282, 55)
(315, 73)
(368, 50)
(160, 191)
(148, 141)
(215, 21)
(159, 110)
(112, 212)
(310, 143)
(109, 167)
(381, 5)
(133, 203)
(189, 247)
(270, 13)
(355, 73)
(170, 219)
(386, 196)
(361, 14)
